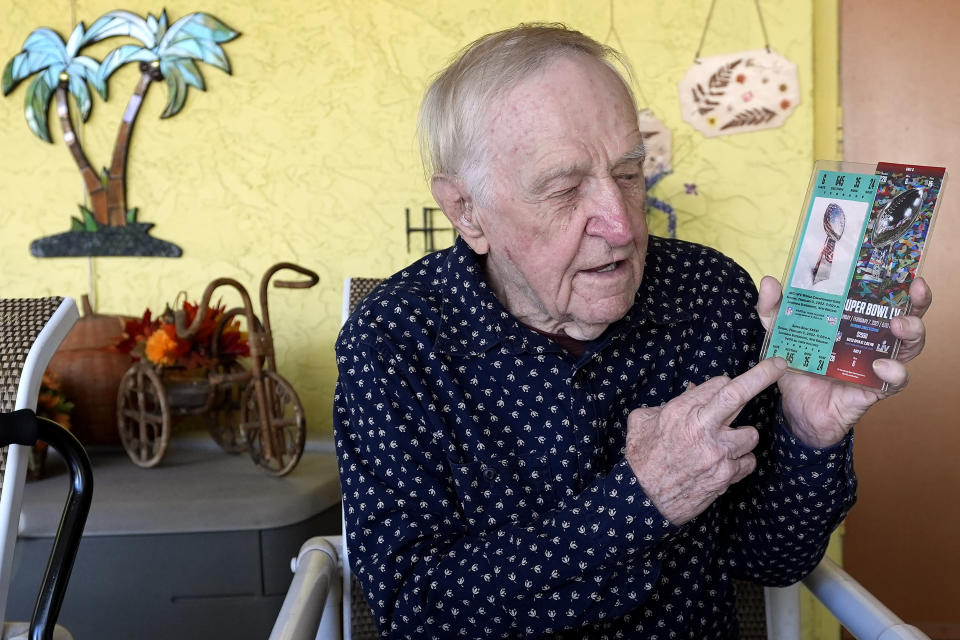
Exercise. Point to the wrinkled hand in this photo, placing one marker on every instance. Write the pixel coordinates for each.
(819, 410)
(685, 454)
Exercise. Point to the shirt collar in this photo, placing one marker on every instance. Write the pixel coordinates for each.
(473, 321)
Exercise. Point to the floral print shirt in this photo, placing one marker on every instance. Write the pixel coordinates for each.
(485, 488)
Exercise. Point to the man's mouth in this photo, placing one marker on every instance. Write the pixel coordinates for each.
(605, 268)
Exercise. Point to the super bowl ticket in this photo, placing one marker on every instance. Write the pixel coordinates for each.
(859, 245)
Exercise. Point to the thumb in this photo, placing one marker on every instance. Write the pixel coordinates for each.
(768, 302)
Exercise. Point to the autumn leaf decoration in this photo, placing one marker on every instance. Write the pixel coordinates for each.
(706, 99)
(51, 403)
(156, 340)
(750, 117)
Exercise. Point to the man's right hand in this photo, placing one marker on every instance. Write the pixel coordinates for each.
(685, 453)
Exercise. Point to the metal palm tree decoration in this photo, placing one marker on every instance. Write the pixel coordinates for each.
(167, 52)
(60, 70)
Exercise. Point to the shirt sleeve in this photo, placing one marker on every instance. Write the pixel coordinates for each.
(424, 573)
(783, 514)
(779, 519)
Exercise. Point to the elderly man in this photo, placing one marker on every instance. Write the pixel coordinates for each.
(558, 427)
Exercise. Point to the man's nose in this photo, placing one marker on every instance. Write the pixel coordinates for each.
(609, 218)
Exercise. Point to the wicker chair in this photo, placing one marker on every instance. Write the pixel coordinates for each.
(358, 623)
(30, 332)
(322, 577)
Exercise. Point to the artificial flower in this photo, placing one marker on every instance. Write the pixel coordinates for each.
(161, 348)
(158, 342)
(51, 403)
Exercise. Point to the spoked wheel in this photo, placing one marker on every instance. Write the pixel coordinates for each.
(287, 428)
(143, 415)
(223, 418)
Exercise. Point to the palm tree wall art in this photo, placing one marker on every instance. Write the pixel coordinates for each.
(168, 52)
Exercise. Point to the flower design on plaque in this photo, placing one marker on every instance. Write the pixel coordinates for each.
(739, 92)
(658, 142)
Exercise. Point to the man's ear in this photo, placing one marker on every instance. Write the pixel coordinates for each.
(457, 204)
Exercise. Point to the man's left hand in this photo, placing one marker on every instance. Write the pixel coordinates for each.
(819, 410)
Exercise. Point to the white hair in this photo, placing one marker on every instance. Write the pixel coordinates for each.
(453, 106)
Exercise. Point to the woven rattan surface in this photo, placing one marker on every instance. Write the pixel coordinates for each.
(750, 611)
(21, 321)
(362, 626)
(360, 288)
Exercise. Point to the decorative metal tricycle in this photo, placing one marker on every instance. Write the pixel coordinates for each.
(255, 410)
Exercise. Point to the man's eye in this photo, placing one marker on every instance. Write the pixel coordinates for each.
(566, 193)
(627, 177)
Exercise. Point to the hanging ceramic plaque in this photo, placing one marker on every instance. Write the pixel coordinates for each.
(658, 142)
(739, 92)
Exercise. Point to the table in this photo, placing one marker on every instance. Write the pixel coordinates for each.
(198, 547)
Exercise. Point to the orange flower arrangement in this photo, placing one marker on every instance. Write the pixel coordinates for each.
(157, 340)
(51, 403)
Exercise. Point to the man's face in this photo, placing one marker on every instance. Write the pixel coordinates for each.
(564, 224)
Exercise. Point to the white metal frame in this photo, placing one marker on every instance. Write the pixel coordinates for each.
(310, 607)
(15, 476)
(318, 572)
(856, 608)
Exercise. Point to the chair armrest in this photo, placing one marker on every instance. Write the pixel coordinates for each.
(40, 325)
(311, 608)
(856, 608)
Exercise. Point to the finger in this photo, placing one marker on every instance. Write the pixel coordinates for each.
(732, 396)
(912, 333)
(739, 442)
(695, 397)
(921, 297)
(708, 387)
(768, 301)
(893, 372)
(698, 398)
(745, 466)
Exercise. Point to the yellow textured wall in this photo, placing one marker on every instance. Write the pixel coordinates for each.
(307, 152)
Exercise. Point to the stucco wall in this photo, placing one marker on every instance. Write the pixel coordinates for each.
(307, 152)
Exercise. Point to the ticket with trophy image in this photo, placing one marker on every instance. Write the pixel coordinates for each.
(859, 244)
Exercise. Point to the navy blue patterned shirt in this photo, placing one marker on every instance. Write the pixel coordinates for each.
(484, 481)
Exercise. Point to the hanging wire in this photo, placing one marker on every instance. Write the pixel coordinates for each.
(763, 26)
(703, 36)
(706, 26)
(612, 31)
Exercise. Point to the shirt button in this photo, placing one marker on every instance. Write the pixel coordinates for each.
(488, 474)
